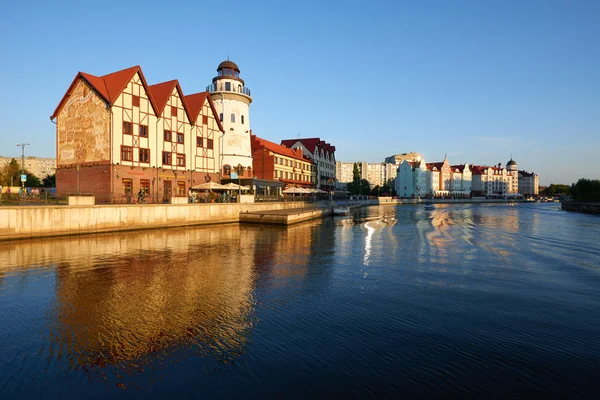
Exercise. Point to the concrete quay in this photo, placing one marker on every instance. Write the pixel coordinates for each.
(46, 221)
(284, 217)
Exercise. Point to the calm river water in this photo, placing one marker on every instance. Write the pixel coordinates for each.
(395, 301)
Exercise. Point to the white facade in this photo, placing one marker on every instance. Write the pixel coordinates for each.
(492, 181)
(232, 103)
(529, 183)
(322, 155)
(412, 179)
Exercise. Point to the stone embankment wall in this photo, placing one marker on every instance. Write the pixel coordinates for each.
(582, 207)
(32, 222)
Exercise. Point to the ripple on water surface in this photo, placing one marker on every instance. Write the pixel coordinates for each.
(465, 301)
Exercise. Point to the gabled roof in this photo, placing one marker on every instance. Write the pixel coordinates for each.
(161, 93)
(437, 165)
(279, 149)
(109, 86)
(460, 167)
(310, 144)
(196, 101)
(116, 82)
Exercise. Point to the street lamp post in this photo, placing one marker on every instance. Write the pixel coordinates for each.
(239, 170)
(22, 145)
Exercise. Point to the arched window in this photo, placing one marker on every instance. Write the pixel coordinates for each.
(232, 117)
(239, 88)
(249, 171)
(242, 119)
(221, 117)
(227, 170)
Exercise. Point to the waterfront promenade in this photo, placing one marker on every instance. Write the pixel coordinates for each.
(27, 222)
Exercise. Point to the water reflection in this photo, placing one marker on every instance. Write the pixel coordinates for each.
(140, 300)
(132, 301)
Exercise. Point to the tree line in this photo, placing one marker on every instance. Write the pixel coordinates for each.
(10, 175)
(586, 190)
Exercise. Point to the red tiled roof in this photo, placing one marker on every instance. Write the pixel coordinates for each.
(116, 82)
(109, 86)
(460, 167)
(277, 148)
(161, 93)
(310, 143)
(196, 101)
(98, 84)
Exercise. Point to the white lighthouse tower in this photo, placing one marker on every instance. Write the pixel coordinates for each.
(232, 102)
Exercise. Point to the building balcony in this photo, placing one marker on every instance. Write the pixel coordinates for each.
(228, 87)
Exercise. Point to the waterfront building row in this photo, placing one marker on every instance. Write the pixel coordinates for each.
(322, 154)
(116, 135)
(275, 162)
(420, 179)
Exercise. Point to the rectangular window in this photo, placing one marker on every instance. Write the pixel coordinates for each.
(199, 141)
(126, 153)
(145, 155)
(135, 101)
(174, 112)
(180, 160)
(166, 159)
(127, 185)
(181, 188)
(128, 128)
(205, 119)
(179, 137)
(209, 143)
(167, 136)
(145, 186)
(143, 131)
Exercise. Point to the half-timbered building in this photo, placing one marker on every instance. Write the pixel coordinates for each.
(117, 135)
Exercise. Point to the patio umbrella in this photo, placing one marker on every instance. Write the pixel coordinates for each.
(294, 190)
(234, 186)
(210, 186)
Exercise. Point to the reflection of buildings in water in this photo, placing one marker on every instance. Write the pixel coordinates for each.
(287, 254)
(127, 299)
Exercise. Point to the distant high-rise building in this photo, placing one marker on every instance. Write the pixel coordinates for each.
(40, 167)
(398, 158)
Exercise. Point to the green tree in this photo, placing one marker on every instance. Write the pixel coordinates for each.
(49, 181)
(586, 190)
(557, 189)
(355, 174)
(32, 180)
(11, 174)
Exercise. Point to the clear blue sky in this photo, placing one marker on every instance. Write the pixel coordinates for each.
(477, 80)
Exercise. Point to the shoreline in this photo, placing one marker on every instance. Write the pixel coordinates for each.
(32, 222)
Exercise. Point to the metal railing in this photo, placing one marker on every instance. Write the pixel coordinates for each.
(232, 88)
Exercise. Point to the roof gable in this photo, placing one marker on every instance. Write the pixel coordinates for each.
(109, 86)
(281, 149)
(163, 91)
(196, 101)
